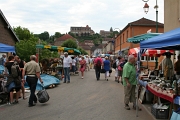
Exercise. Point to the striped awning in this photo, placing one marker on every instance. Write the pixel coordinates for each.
(149, 52)
(138, 38)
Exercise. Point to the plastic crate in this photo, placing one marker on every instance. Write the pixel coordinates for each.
(160, 113)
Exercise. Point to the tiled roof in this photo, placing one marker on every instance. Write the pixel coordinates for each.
(65, 37)
(86, 47)
(145, 21)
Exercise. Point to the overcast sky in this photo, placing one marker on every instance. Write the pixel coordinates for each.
(59, 15)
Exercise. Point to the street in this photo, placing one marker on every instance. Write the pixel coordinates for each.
(82, 99)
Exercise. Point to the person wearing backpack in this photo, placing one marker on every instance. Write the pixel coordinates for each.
(13, 75)
(21, 65)
(97, 65)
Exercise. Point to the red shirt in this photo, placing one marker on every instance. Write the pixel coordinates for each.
(96, 59)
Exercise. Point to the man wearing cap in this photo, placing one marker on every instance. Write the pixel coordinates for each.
(67, 65)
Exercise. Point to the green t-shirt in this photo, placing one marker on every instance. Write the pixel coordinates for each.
(129, 71)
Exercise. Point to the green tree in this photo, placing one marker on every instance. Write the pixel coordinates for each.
(44, 36)
(57, 35)
(111, 29)
(72, 34)
(23, 33)
(70, 43)
(27, 46)
(82, 51)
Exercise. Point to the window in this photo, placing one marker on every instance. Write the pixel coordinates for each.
(145, 58)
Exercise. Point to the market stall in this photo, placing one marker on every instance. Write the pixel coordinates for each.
(149, 52)
(166, 41)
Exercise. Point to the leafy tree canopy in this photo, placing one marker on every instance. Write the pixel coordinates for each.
(27, 47)
(23, 33)
(69, 43)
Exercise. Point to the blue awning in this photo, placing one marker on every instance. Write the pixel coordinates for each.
(167, 41)
(6, 48)
(138, 38)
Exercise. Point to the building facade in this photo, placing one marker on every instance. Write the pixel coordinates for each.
(171, 14)
(7, 35)
(138, 27)
(82, 31)
(104, 33)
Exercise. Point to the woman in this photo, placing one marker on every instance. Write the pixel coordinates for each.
(10, 80)
(106, 65)
(82, 66)
(73, 65)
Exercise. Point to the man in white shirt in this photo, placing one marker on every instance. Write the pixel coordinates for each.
(67, 65)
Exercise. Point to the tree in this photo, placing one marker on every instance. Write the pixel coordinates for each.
(83, 52)
(111, 29)
(27, 45)
(57, 35)
(23, 33)
(70, 43)
(72, 34)
(44, 36)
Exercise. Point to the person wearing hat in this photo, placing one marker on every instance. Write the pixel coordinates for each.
(67, 66)
(106, 65)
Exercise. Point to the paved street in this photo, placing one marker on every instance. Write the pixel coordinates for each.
(82, 99)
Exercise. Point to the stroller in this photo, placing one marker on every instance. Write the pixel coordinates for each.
(3, 91)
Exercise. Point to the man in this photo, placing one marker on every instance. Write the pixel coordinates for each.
(167, 66)
(32, 71)
(3, 59)
(67, 65)
(97, 65)
(91, 62)
(129, 82)
(21, 66)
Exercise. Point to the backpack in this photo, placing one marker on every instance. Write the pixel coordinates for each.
(15, 72)
(119, 67)
(114, 65)
(98, 62)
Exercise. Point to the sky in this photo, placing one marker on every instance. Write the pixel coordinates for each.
(59, 15)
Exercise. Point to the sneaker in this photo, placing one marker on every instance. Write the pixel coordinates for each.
(68, 82)
(15, 102)
(107, 79)
(127, 107)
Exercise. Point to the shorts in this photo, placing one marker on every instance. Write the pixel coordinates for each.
(120, 73)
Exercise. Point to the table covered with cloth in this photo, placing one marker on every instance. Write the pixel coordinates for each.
(160, 92)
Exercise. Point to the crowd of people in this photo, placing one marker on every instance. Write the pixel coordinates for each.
(125, 72)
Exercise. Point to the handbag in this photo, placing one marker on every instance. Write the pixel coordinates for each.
(110, 71)
(103, 70)
(43, 96)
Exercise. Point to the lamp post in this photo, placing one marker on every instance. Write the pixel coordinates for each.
(146, 9)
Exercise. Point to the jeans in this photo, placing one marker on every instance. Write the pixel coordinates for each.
(32, 82)
(98, 71)
(66, 73)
